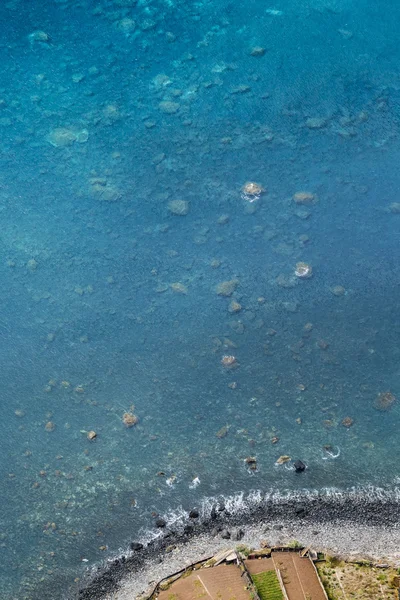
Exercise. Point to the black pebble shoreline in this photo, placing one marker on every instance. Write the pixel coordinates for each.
(319, 509)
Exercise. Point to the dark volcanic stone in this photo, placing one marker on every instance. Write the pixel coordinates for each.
(188, 529)
(135, 546)
(237, 534)
(299, 466)
(194, 513)
(216, 531)
(301, 511)
(213, 513)
(168, 534)
(225, 534)
(160, 522)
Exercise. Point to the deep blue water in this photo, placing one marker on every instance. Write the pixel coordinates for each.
(295, 96)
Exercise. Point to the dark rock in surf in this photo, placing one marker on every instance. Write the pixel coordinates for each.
(225, 534)
(194, 513)
(188, 529)
(168, 534)
(160, 522)
(136, 546)
(237, 534)
(299, 466)
(300, 511)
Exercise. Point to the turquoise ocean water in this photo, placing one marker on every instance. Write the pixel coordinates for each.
(140, 279)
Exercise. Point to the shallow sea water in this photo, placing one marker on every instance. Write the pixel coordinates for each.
(111, 110)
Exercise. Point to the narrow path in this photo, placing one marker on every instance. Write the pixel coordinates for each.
(299, 578)
(204, 586)
(341, 587)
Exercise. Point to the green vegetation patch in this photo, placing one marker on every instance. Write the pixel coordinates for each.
(295, 544)
(357, 581)
(268, 586)
(243, 549)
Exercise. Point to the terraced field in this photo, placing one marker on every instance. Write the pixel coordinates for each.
(268, 586)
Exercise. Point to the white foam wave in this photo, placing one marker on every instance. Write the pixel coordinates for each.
(241, 503)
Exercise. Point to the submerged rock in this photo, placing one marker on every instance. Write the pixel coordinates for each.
(257, 51)
(394, 208)
(178, 207)
(179, 288)
(303, 270)
(304, 197)
(316, 122)
(234, 307)
(250, 188)
(103, 190)
(338, 290)
(39, 36)
(126, 25)
(221, 433)
(283, 459)
(226, 288)
(168, 107)
(385, 401)
(228, 360)
(129, 419)
(63, 136)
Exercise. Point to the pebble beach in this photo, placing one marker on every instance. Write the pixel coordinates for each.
(347, 528)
